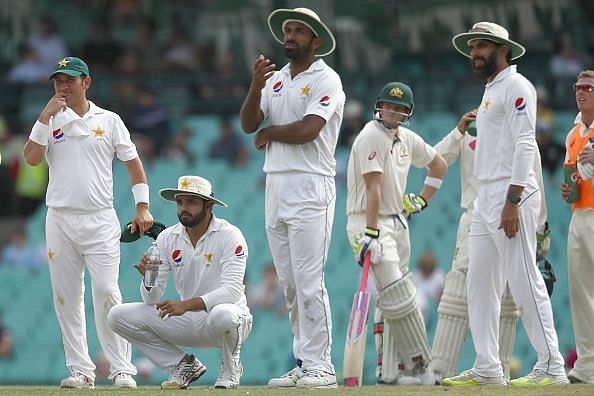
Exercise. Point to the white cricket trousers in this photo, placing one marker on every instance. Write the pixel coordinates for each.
(580, 267)
(495, 259)
(299, 215)
(76, 240)
(224, 326)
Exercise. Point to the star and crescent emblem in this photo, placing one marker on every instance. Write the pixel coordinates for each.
(185, 184)
(99, 133)
(63, 63)
(305, 90)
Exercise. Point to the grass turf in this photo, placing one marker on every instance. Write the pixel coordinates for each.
(581, 390)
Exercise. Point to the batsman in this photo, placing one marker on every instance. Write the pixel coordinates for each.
(378, 209)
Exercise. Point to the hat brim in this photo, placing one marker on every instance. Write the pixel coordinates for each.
(275, 23)
(71, 73)
(460, 42)
(170, 194)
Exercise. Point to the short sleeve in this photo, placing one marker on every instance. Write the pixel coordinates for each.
(371, 153)
(124, 148)
(326, 96)
(421, 153)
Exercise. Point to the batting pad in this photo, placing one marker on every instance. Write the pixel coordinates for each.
(452, 325)
(392, 366)
(402, 315)
(508, 320)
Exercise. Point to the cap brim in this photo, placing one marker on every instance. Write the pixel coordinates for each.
(71, 73)
(275, 23)
(460, 42)
(169, 194)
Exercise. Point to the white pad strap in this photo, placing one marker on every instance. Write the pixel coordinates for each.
(507, 330)
(452, 325)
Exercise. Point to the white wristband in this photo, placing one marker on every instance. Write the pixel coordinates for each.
(141, 193)
(433, 182)
(40, 133)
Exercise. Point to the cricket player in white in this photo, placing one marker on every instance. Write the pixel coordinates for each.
(502, 239)
(206, 256)
(580, 244)
(78, 140)
(378, 167)
(452, 324)
(304, 103)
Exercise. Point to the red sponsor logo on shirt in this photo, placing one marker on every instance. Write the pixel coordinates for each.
(239, 251)
(371, 156)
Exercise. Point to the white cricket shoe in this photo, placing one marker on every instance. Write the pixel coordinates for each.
(77, 381)
(288, 379)
(188, 370)
(124, 381)
(229, 380)
(315, 379)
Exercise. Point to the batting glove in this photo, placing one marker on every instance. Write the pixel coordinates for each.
(367, 242)
(543, 242)
(413, 203)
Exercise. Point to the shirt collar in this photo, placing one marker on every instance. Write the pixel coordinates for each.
(318, 64)
(503, 74)
(578, 120)
(215, 225)
(93, 110)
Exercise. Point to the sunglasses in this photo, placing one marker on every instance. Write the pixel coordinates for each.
(583, 87)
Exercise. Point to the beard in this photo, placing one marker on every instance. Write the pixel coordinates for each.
(194, 220)
(488, 67)
(298, 52)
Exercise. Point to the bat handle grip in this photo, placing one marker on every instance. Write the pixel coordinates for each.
(365, 271)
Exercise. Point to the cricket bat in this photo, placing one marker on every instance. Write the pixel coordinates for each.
(354, 349)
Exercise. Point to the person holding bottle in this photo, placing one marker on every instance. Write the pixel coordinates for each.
(580, 249)
(206, 256)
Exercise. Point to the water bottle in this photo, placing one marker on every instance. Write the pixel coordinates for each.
(152, 267)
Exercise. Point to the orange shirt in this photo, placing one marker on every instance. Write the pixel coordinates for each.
(575, 145)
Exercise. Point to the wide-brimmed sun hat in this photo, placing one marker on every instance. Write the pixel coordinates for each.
(278, 18)
(487, 31)
(191, 185)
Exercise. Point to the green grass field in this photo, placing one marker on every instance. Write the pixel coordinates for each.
(261, 391)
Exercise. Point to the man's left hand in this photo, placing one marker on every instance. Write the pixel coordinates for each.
(413, 203)
(142, 219)
(261, 140)
(510, 220)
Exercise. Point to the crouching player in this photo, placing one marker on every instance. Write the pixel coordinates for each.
(206, 257)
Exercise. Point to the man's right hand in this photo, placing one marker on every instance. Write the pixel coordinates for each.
(55, 104)
(141, 265)
(261, 72)
(367, 242)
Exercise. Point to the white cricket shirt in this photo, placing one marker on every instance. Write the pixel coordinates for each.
(378, 149)
(454, 146)
(213, 270)
(506, 120)
(80, 153)
(318, 91)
